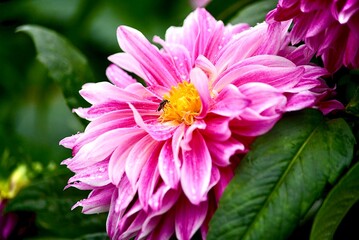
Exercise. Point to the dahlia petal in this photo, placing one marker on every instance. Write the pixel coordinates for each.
(113, 216)
(124, 196)
(149, 178)
(168, 166)
(189, 218)
(95, 175)
(274, 31)
(351, 53)
(349, 9)
(215, 176)
(244, 45)
(206, 66)
(280, 77)
(298, 55)
(301, 100)
(157, 130)
(134, 227)
(103, 124)
(98, 110)
(217, 127)
(221, 151)
(119, 77)
(196, 169)
(179, 56)
(69, 142)
(145, 93)
(263, 97)
(176, 145)
(255, 125)
(187, 137)
(103, 92)
(197, 28)
(134, 43)
(124, 221)
(97, 150)
(129, 63)
(118, 158)
(165, 228)
(320, 21)
(155, 218)
(329, 106)
(200, 81)
(98, 201)
(229, 102)
(308, 6)
(215, 42)
(163, 198)
(139, 154)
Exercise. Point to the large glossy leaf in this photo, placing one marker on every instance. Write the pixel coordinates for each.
(281, 177)
(65, 64)
(342, 197)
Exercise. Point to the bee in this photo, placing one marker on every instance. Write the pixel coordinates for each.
(162, 104)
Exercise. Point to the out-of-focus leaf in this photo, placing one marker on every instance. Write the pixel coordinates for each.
(94, 236)
(351, 84)
(52, 207)
(225, 10)
(282, 176)
(65, 64)
(338, 202)
(254, 13)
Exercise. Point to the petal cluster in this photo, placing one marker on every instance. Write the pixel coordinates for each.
(160, 178)
(329, 28)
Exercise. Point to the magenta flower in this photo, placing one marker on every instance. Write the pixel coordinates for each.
(159, 156)
(330, 28)
(7, 221)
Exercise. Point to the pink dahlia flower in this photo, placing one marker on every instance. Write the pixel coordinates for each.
(158, 156)
(329, 27)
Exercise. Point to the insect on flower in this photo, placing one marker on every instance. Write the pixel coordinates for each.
(162, 104)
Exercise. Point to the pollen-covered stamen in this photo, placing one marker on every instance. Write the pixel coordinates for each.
(183, 104)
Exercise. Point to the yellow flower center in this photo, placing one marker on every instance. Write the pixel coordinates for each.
(181, 104)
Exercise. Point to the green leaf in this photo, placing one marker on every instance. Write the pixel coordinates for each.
(225, 10)
(65, 64)
(338, 202)
(52, 206)
(281, 177)
(254, 13)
